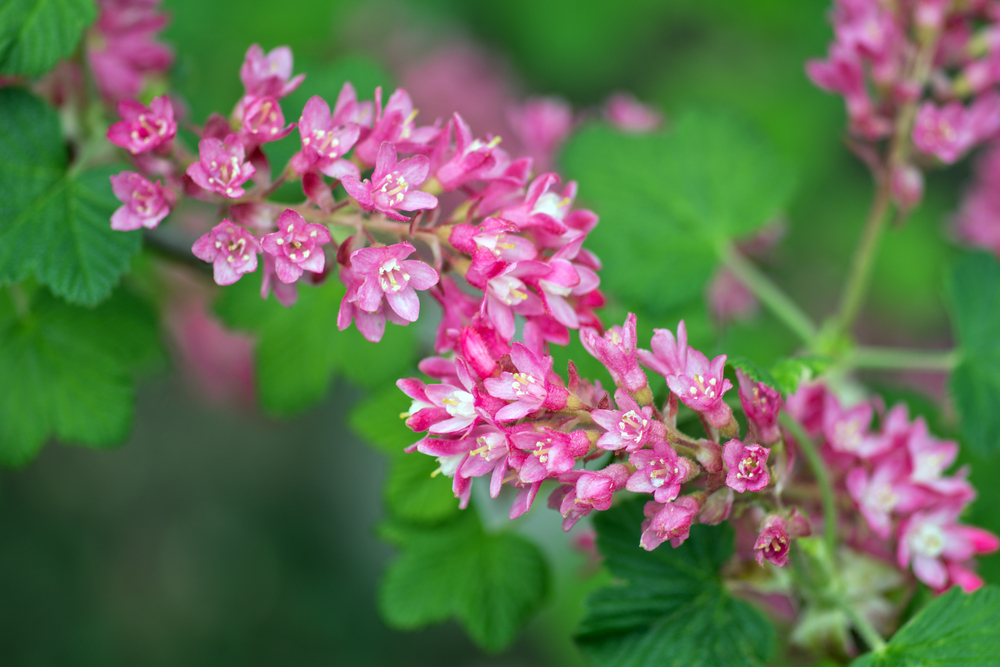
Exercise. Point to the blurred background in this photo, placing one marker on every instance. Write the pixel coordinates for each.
(219, 536)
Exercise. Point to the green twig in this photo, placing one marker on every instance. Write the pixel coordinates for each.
(896, 359)
(769, 294)
(859, 275)
(864, 628)
(822, 479)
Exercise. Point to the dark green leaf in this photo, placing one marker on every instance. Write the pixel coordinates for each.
(669, 201)
(35, 34)
(70, 371)
(671, 607)
(491, 584)
(958, 629)
(54, 224)
(974, 292)
(299, 349)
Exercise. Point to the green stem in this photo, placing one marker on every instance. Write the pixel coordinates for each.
(864, 628)
(769, 294)
(822, 479)
(895, 359)
(859, 275)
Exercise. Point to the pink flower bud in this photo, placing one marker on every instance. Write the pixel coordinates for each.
(907, 183)
(761, 405)
(717, 506)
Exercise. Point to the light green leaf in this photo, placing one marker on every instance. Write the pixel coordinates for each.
(36, 34)
(670, 607)
(957, 629)
(299, 349)
(974, 292)
(53, 224)
(788, 373)
(752, 370)
(668, 202)
(70, 371)
(491, 584)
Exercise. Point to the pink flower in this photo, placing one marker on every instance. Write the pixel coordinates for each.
(395, 124)
(296, 246)
(671, 521)
(370, 324)
(929, 458)
(659, 471)
(232, 249)
(773, 541)
(589, 490)
(145, 204)
(124, 48)
(907, 183)
(627, 113)
(529, 388)
(616, 350)
(629, 428)
(326, 139)
(933, 541)
(542, 124)
(263, 121)
(286, 294)
(269, 75)
(507, 294)
(474, 159)
(949, 131)
(389, 190)
(747, 466)
(701, 387)
(221, 167)
(846, 429)
(669, 355)
(885, 492)
(546, 453)
(143, 128)
(490, 453)
(761, 405)
(387, 274)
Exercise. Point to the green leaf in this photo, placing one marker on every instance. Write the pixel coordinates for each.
(36, 34)
(71, 372)
(752, 370)
(491, 584)
(958, 628)
(788, 373)
(669, 201)
(670, 607)
(299, 349)
(411, 492)
(974, 292)
(54, 224)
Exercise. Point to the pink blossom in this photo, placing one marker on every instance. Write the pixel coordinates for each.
(627, 113)
(567, 278)
(929, 458)
(630, 427)
(507, 294)
(387, 274)
(389, 190)
(143, 128)
(529, 388)
(846, 429)
(394, 124)
(933, 540)
(948, 132)
(269, 75)
(233, 251)
(327, 138)
(542, 124)
(747, 466)
(263, 121)
(617, 351)
(761, 405)
(907, 186)
(124, 47)
(670, 521)
(589, 490)
(145, 204)
(473, 160)
(551, 213)
(669, 355)
(546, 452)
(884, 493)
(843, 73)
(371, 325)
(222, 167)
(773, 541)
(492, 447)
(701, 387)
(296, 246)
(659, 471)
(286, 294)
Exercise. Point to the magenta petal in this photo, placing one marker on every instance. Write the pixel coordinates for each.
(415, 200)
(421, 275)
(361, 192)
(405, 303)
(370, 295)
(224, 273)
(124, 220)
(288, 272)
(371, 325)
(315, 263)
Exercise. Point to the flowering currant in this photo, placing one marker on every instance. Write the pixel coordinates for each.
(296, 246)
(232, 250)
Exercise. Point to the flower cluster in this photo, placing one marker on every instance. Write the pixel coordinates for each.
(122, 47)
(896, 477)
(922, 72)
